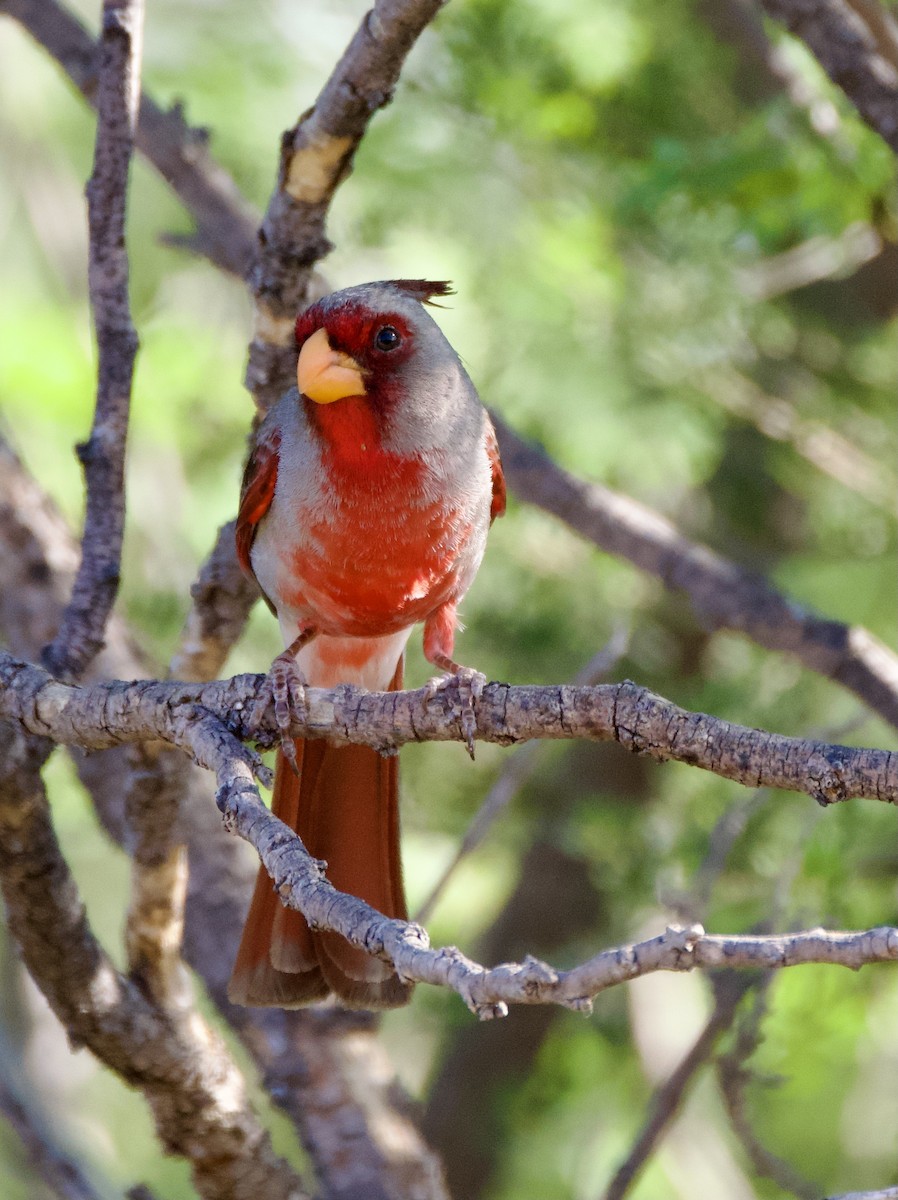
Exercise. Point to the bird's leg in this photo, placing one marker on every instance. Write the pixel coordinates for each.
(285, 684)
(439, 641)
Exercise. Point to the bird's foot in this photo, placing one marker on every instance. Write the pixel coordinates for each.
(285, 686)
(469, 685)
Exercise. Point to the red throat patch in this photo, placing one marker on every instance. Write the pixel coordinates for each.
(351, 438)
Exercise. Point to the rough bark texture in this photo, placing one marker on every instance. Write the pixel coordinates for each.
(195, 1092)
(83, 627)
(326, 1071)
(316, 156)
(206, 720)
(186, 716)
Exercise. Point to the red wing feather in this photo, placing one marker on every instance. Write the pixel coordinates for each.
(259, 480)
(497, 506)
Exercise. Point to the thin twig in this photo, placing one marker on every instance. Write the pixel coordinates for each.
(185, 716)
(103, 455)
(300, 883)
(519, 766)
(728, 991)
(733, 1075)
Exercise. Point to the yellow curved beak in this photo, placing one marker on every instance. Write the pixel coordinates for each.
(325, 374)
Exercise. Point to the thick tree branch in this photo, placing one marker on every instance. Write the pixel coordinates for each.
(103, 455)
(724, 595)
(226, 221)
(206, 720)
(848, 52)
(316, 156)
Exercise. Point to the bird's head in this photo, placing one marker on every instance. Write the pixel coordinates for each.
(373, 361)
(359, 341)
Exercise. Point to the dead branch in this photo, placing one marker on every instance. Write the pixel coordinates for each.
(724, 595)
(299, 881)
(316, 156)
(226, 222)
(326, 1070)
(103, 456)
(194, 717)
(848, 52)
(206, 721)
(195, 1092)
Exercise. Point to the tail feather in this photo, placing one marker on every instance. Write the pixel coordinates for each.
(344, 806)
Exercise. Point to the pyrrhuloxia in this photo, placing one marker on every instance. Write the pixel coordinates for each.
(364, 510)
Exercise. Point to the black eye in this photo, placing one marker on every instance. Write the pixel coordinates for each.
(387, 338)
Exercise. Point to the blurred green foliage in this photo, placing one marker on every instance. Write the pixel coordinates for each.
(610, 185)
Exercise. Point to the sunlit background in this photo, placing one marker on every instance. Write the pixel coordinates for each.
(674, 248)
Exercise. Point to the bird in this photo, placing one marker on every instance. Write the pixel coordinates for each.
(364, 511)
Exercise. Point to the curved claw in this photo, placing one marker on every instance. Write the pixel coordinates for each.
(469, 684)
(285, 686)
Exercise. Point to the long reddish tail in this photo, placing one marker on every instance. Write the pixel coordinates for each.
(344, 806)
